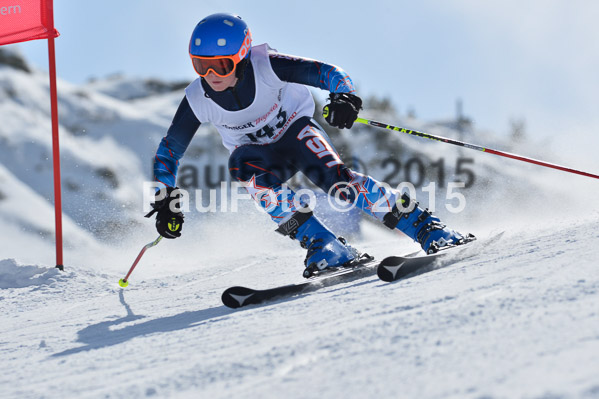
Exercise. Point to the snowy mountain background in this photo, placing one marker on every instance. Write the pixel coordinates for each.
(519, 319)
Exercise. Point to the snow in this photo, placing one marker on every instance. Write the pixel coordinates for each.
(519, 319)
(19, 276)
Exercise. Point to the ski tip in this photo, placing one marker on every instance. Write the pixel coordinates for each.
(387, 269)
(236, 297)
(384, 274)
(123, 283)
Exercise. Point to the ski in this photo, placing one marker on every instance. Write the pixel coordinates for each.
(390, 269)
(394, 268)
(236, 297)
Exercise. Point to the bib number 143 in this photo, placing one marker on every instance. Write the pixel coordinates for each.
(269, 130)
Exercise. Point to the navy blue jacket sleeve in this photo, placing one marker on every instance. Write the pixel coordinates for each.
(173, 146)
(310, 72)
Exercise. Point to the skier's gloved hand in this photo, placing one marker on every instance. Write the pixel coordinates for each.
(343, 110)
(167, 206)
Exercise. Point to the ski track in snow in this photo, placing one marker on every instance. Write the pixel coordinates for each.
(517, 320)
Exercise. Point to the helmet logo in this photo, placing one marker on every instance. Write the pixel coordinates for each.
(245, 47)
(198, 41)
(227, 22)
(221, 42)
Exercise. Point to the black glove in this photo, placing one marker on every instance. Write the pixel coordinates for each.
(169, 218)
(343, 110)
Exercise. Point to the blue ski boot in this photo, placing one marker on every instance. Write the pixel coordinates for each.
(423, 227)
(325, 250)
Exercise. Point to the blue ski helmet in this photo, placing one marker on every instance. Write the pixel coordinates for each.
(220, 35)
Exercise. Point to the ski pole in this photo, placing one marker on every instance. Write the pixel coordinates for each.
(474, 147)
(123, 282)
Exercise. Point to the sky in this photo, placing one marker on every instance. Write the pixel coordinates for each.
(530, 60)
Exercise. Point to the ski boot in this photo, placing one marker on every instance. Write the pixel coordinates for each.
(420, 225)
(325, 250)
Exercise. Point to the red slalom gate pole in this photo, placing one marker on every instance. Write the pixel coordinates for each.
(123, 282)
(55, 152)
(475, 147)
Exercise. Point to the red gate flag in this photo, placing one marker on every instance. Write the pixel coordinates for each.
(22, 20)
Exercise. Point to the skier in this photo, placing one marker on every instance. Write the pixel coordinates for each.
(257, 100)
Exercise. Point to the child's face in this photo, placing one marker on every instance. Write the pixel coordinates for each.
(219, 84)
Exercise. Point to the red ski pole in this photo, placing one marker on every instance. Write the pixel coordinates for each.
(475, 147)
(124, 281)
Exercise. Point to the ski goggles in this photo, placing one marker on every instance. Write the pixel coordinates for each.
(222, 65)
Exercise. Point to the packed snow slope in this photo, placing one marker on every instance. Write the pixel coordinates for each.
(518, 318)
